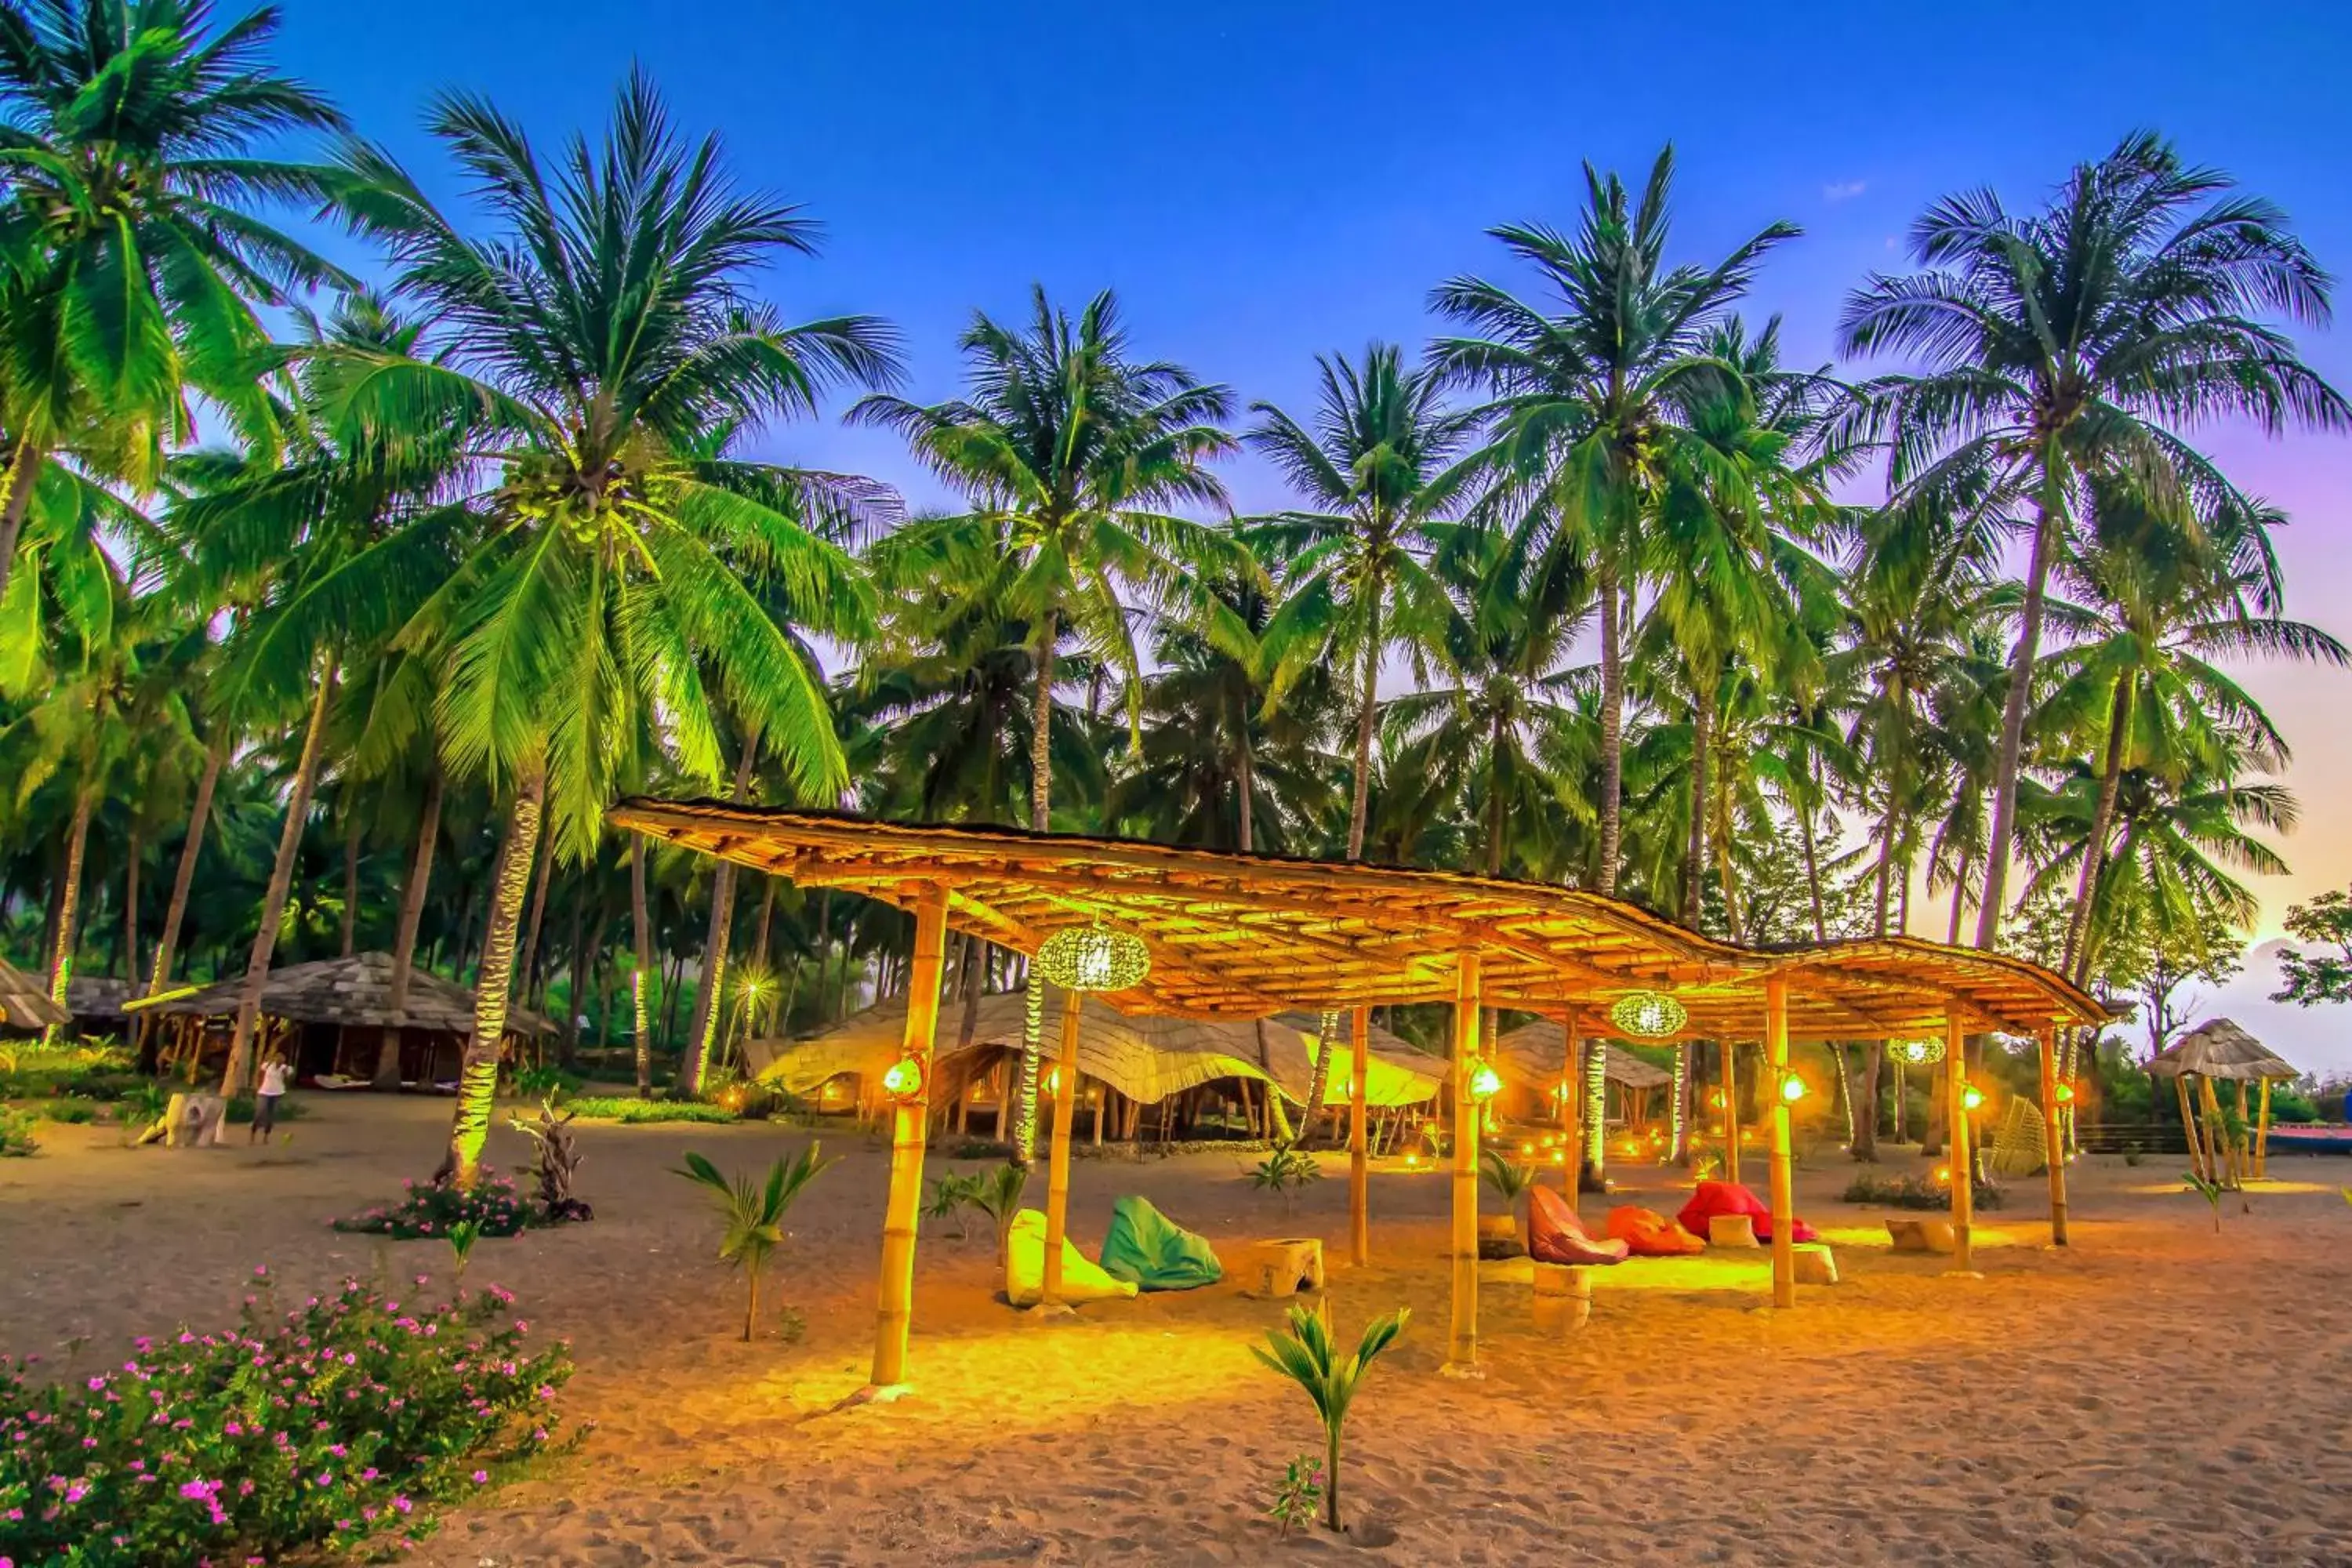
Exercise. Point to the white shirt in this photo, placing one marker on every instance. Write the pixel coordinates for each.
(273, 1078)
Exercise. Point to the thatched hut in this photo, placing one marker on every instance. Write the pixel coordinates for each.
(96, 1003)
(333, 1019)
(1191, 1072)
(1529, 1059)
(2219, 1051)
(25, 1005)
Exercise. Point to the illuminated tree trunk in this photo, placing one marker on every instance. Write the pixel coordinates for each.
(1865, 1115)
(281, 888)
(477, 1078)
(1041, 791)
(69, 900)
(642, 929)
(1359, 1179)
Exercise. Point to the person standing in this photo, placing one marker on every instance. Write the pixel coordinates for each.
(266, 1098)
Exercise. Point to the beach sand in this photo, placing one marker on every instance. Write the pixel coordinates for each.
(2156, 1393)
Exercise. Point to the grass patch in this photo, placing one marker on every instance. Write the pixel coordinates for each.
(1917, 1193)
(630, 1110)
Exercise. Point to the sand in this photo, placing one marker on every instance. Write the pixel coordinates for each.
(2156, 1393)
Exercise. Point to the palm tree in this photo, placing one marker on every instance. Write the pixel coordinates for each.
(587, 357)
(2074, 345)
(128, 131)
(1070, 451)
(1583, 387)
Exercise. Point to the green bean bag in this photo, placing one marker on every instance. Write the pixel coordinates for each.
(1152, 1252)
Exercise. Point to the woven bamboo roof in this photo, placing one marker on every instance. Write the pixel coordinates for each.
(355, 991)
(1146, 1058)
(24, 1003)
(1532, 1054)
(1252, 935)
(2220, 1048)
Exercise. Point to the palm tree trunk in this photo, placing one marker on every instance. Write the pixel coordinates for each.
(528, 967)
(168, 945)
(2076, 964)
(1814, 874)
(351, 879)
(1612, 729)
(24, 474)
(1245, 770)
(403, 939)
(1695, 855)
(1040, 799)
(131, 906)
(1865, 1112)
(281, 887)
(715, 943)
(477, 1078)
(69, 896)
(642, 926)
(1359, 799)
(1959, 900)
(2006, 761)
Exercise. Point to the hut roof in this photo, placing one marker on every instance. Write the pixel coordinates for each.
(1249, 935)
(2220, 1048)
(1533, 1052)
(24, 1004)
(356, 991)
(1146, 1058)
(97, 998)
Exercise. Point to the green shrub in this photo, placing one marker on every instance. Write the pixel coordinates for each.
(345, 1421)
(430, 1208)
(70, 1112)
(625, 1109)
(240, 1110)
(1917, 1193)
(16, 1140)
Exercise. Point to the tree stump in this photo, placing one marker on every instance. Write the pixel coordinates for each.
(1731, 1230)
(1816, 1264)
(1563, 1300)
(1920, 1235)
(1283, 1266)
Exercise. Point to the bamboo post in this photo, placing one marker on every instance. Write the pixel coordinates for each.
(1359, 1169)
(2217, 1143)
(1956, 1149)
(2053, 1150)
(895, 1309)
(1784, 1202)
(1571, 1103)
(1730, 1053)
(1462, 1350)
(2188, 1127)
(2263, 1135)
(2246, 1135)
(1596, 1110)
(1057, 1179)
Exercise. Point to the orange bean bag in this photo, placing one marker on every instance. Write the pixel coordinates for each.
(1556, 1235)
(1729, 1197)
(1646, 1233)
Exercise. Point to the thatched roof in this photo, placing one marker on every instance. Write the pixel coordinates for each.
(1145, 1059)
(1532, 1054)
(355, 991)
(2220, 1048)
(97, 998)
(1250, 935)
(24, 1003)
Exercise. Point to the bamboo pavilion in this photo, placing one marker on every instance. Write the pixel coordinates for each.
(23, 1005)
(2219, 1051)
(1184, 933)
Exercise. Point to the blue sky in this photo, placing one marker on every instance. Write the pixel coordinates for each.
(1261, 183)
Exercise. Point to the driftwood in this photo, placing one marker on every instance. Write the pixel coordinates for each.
(559, 1161)
(189, 1121)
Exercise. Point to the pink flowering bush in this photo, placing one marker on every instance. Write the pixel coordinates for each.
(430, 1208)
(348, 1420)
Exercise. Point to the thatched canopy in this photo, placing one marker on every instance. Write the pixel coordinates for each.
(1532, 1056)
(1144, 1059)
(1252, 935)
(356, 992)
(2220, 1048)
(24, 1003)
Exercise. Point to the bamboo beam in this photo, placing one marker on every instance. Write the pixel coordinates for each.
(1057, 1179)
(1957, 1148)
(2054, 1147)
(1784, 1203)
(2263, 1136)
(1729, 1125)
(1462, 1347)
(1571, 1102)
(895, 1309)
(1359, 1169)
(2188, 1127)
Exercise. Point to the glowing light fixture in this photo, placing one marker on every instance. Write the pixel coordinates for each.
(1943, 1175)
(1918, 1053)
(904, 1080)
(1792, 1088)
(1094, 958)
(1649, 1015)
(1486, 1083)
(1053, 1081)
(2065, 1094)
(1971, 1097)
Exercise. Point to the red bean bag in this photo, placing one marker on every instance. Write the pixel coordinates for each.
(1556, 1235)
(1646, 1233)
(1729, 1197)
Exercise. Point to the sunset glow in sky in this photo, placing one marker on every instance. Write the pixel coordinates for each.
(1263, 182)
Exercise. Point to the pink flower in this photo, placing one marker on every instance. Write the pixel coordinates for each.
(481, 1477)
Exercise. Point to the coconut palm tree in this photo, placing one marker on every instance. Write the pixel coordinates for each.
(129, 132)
(1582, 387)
(597, 357)
(2077, 346)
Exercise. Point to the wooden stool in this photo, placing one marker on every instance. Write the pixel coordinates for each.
(1731, 1230)
(1563, 1300)
(1920, 1235)
(1283, 1266)
(1815, 1263)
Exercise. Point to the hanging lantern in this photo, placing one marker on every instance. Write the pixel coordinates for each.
(1486, 1083)
(1094, 958)
(1971, 1097)
(1649, 1015)
(1792, 1088)
(2065, 1094)
(903, 1079)
(1918, 1053)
